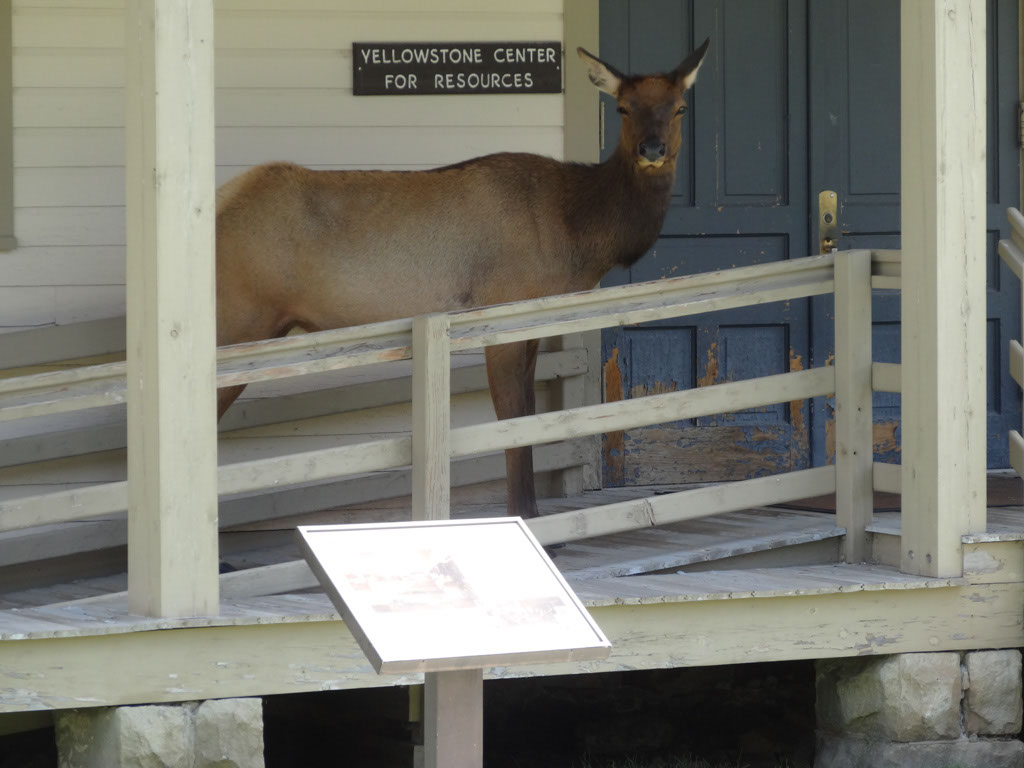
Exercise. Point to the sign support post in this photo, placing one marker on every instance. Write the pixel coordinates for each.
(453, 735)
(448, 598)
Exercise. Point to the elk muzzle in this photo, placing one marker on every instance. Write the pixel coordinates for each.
(651, 152)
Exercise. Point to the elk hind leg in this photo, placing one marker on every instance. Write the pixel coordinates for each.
(510, 374)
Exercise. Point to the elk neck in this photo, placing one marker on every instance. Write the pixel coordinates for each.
(614, 212)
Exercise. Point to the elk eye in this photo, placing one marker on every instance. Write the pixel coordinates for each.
(622, 111)
(681, 110)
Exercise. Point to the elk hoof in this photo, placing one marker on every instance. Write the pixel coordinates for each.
(552, 549)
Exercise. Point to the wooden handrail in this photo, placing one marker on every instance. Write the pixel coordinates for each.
(677, 507)
(391, 453)
(887, 478)
(641, 411)
(1016, 219)
(1013, 256)
(683, 300)
(469, 329)
(1012, 253)
(99, 385)
(886, 377)
(1017, 362)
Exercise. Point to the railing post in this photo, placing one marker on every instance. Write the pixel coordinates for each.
(573, 392)
(1012, 253)
(854, 449)
(431, 418)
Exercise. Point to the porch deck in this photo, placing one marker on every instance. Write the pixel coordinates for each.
(739, 539)
(694, 577)
(761, 584)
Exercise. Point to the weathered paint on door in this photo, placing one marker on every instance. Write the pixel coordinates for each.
(793, 98)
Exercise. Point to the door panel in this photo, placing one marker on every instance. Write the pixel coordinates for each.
(757, 150)
(855, 119)
(854, 114)
(710, 348)
(735, 204)
(750, 114)
(1004, 321)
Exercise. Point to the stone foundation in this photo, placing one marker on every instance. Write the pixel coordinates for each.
(920, 710)
(845, 752)
(226, 733)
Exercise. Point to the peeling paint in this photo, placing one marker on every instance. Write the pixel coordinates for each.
(679, 454)
(796, 409)
(658, 388)
(884, 438)
(880, 640)
(711, 371)
(613, 378)
(981, 562)
(614, 452)
(669, 272)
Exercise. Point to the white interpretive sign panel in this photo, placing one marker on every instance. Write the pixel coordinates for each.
(430, 596)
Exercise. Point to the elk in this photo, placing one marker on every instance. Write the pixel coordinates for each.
(327, 249)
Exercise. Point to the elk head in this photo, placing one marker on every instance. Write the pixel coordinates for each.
(651, 106)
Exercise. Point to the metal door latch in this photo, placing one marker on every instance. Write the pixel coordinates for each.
(828, 222)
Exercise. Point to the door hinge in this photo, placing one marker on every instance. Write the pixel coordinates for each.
(1020, 124)
(600, 124)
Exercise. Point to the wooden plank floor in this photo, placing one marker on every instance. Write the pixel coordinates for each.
(636, 567)
(642, 551)
(57, 655)
(112, 618)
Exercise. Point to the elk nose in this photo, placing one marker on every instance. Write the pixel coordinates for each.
(652, 150)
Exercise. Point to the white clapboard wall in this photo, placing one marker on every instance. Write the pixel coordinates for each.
(284, 92)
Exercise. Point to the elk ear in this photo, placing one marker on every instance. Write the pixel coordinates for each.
(686, 73)
(606, 78)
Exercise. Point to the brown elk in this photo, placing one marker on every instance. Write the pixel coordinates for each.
(327, 249)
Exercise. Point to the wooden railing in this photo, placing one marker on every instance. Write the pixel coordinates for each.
(886, 377)
(1012, 252)
(430, 341)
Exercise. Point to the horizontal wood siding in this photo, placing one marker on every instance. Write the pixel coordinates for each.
(284, 92)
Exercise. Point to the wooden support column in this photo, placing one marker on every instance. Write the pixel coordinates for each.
(581, 144)
(431, 418)
(453, 728)
(943, 301)
(172, 439)
(854, 450)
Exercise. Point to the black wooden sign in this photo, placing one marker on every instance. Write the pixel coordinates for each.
(413, 69)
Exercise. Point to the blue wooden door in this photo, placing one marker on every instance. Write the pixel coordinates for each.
(854, 114)
(794, 97)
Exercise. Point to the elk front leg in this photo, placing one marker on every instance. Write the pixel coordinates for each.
(225, 397)
(510, 371)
